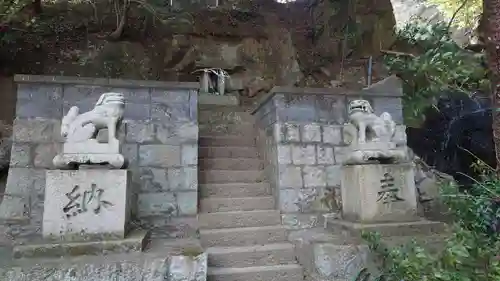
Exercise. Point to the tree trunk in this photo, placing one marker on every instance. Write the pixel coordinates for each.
(491, 17)
(37, 6)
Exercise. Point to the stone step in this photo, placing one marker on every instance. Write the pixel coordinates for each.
(287, 272)
(231, 164)
(386, 229)
(236, 109)
(226, 141)
(228, 152)
(256, 255)
(239, 219)
(212, 205)
(223, 129)
(230, 176)
(242, 236)
(135, 241)
(229, 190)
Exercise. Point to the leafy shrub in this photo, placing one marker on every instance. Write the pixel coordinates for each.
(435, 65)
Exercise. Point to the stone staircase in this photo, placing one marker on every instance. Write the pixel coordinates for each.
(239, 225)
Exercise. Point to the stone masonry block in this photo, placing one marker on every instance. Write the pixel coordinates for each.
(166, 112)
(38, 178)
(300, 200)
(51, 92)
(189, 154)
(25, 182)
(332, 134)
(348, 133)
(193, 104)
(44, 153)
(290, 176)
(159, 155)
(339, 262)
(176, 133)
(187, 202)
(292, 132)
(19, 181)
(83, 105)
(288, 200)
(83, 93)
(36, 130)
(314, 176)
(176, 227)
(130, 152)
(299, 221)
(304, 154)
(169, 96)
(297, 108)
(284, 154)
(135, 95)
(340, 154)
(140, 131)
(333, 175)
(330, 109)
(279, 132)
(155, 204)
(137, 111)
(166, 133)
(153, 180)
(185, 178)
(39, 108)
(20, 155)
(311, 133)
(325, 155)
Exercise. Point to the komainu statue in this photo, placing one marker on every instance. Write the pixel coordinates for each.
(80, 132)
(372, 135)
(370, 127)
(106, 114)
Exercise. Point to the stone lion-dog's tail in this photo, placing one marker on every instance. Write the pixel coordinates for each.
(68, 119)
(389, 123)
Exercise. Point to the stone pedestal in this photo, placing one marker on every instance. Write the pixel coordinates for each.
(378, 193)
(86, 204)
(86, 212)
(90, 152)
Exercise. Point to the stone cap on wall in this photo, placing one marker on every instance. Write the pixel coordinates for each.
(22, 78)
(389, 87)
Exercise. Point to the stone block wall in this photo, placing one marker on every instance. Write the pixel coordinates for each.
(159, 135)
(302, 142)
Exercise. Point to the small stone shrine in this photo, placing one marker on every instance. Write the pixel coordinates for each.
(87, 200)
(377, 183)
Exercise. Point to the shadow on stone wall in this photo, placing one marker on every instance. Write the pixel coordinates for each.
(455, 136)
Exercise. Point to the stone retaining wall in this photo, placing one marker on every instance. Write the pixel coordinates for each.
(302, 142)
(160, 136)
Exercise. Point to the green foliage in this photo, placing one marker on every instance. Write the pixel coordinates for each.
(436, 65)
(472, 251)
(466, 12)
(10, 8)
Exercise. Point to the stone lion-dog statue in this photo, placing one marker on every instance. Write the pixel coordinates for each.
(107, 113)
(370, 127)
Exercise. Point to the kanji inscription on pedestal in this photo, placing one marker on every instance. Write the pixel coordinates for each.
(86, 202)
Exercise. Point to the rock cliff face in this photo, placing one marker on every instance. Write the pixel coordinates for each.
(318, 43)
(405, 10)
